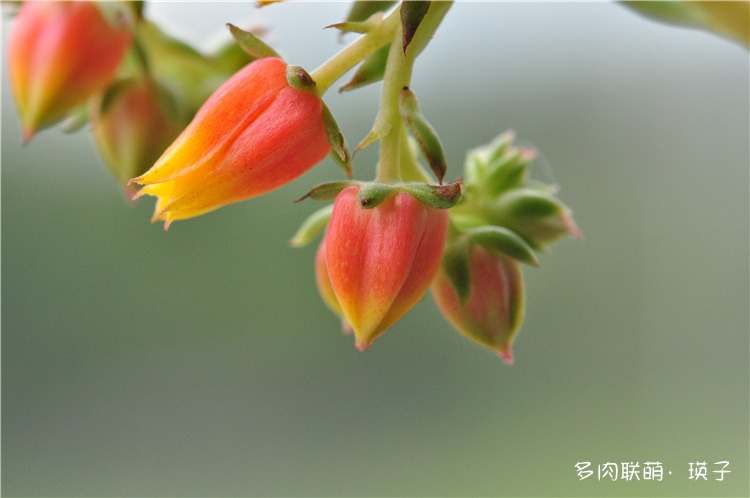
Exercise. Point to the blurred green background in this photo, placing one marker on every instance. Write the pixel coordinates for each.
(201, 362)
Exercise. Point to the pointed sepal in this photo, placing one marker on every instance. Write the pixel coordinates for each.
(339, 151)
(455, 266)
(370, 71)
(312, 227)
(503, 240)
(537, 216)
(435, 196)
(361, 27)
(412, 13)
(326, 191)
(423, 133)
(251, 44)
(380, 128)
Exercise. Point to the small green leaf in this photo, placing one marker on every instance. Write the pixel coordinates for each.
(436, 196)
(380, 128)
(312, 226)
(423, 132)
(412, 13)
(326, 191)
(370, 71)
(504, 240)
(336, 139)
(251, 44)
(455, 264)
(359, 26)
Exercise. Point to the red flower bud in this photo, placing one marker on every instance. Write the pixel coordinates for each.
(381, 260)
(493, 311)
(132, 124)
(254, 134)
(59, 54)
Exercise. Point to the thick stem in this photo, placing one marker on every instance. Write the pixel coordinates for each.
(338, 65)
(397, 76)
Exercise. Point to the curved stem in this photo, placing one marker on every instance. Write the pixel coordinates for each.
(338, 65)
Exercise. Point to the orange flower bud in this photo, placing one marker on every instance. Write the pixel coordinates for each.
(493, 311)
(132, 124)
(381, 260)
(254, 134)
(59, 54)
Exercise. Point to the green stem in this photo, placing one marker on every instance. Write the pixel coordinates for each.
(398, 71)
(338, 65)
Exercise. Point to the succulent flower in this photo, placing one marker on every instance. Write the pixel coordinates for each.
(381, 260)
(253, 135)
(492, 312)
(59, 54)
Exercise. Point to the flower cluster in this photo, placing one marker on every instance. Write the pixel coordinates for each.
(199, 132)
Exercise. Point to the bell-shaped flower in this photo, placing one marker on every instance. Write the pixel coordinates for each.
(59, 54)
(381, 260)
(254, 134)
(133, 122)
(493, 311)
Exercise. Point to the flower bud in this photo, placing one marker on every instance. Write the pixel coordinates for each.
(59, 54)
(537, 216)
(132, 124)
(253, 135)
(381, 260)
(493, 310)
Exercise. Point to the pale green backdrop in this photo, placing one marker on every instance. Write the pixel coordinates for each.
(201, 362)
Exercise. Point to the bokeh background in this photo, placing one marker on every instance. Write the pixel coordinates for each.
(201, 362)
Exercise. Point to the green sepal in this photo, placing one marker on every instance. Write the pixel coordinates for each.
(380, 128)
(435, 196)
(504, 240)
(327, 191)
(359, 26)
(537, 216)
(423, 133)
(509, 171)
(372, 194)
(370, 71)
(455, 264)
(251, 44)
(528, 203)
(300, 79)
(312, 227)
(229, 58)
(412, 13)
(363, 9)
(339, 151)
